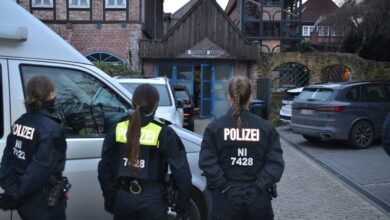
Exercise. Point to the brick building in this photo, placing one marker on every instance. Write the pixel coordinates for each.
(102, 30)
(200, 46)
(314, 26)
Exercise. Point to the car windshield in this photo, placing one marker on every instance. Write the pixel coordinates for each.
(181, 94)
(162, 91)
(314, 94)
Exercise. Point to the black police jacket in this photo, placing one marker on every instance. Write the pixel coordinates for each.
(171, 151)
(35, 150)
(250, 154)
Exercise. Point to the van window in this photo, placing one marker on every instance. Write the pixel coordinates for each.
(86, 106)
(1, 105)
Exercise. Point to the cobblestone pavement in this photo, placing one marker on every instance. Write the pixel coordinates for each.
(308, 192)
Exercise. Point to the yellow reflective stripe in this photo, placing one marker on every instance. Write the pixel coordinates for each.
(149, 133)
(120, 131)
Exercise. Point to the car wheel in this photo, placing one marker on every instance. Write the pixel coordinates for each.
(362, 135)
(194, 213)
(311, 138)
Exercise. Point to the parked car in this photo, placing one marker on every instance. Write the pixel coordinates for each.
(87, 100)
(185, 96)
(168, 107)
(351, 111)
(286, 110)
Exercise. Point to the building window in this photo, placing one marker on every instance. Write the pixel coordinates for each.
(326, 30)
(320, 30)
(116, 3)
(42, 3)
(79, 3)
(323, 31)
(102, 57)
(306, 30)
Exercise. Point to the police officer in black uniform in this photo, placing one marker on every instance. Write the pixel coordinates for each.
(134, 162)
(34, 156)
(241, 158)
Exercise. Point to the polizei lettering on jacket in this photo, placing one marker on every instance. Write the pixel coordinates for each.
(241, 134)
(23, 131)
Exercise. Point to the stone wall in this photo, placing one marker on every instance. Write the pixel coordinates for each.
(361, 69)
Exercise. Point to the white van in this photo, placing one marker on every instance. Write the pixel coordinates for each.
(88, 101)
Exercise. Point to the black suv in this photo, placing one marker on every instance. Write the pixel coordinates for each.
(185, 96)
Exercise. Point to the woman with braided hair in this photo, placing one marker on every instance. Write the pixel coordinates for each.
(241, 158)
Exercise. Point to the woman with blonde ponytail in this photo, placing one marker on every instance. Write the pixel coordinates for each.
(135, 156)
(241, 158)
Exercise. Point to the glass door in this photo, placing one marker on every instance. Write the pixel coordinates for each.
(206, 78)
(184, 76)
(223, 73)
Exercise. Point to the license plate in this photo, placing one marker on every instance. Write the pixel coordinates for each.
(307, 112)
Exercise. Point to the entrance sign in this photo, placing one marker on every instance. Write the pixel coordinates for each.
(206, 53)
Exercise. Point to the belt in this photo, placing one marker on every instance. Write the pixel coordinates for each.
(136, 186)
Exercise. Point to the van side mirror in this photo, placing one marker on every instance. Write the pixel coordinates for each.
(179, 104)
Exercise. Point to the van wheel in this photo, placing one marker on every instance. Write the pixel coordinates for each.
(311, 138)
(362, 135)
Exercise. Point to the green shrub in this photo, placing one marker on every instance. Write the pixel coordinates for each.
(116, 69)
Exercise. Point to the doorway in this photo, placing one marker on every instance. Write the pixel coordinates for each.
(208, 83)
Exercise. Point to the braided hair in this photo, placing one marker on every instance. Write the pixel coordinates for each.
(239, 92)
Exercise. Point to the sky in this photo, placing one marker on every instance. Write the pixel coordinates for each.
(170, 6)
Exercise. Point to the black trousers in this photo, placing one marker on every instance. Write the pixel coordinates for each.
(222, 209)
(35, 208)
(148, 205)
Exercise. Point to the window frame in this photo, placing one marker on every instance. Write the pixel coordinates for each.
(79, 6)
(115, 6)
(42, 4)
(379, 87)
(306, 30)
(102, 134)
(358, 98)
